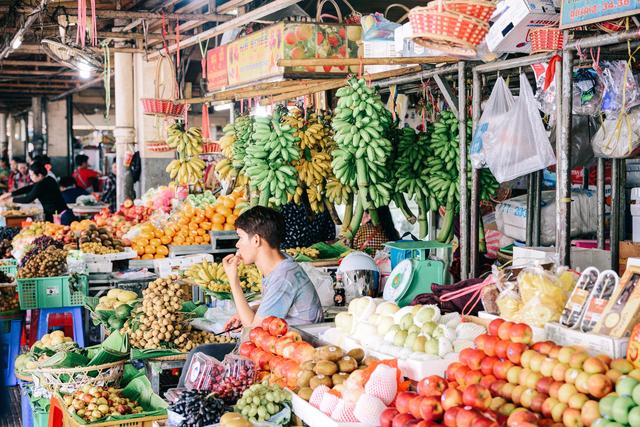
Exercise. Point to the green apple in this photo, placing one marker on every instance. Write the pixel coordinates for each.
(621, 408)
(613, 424)
(600, 422)
(625, 385)
(636, 394)
(606, 405)
(634, 417)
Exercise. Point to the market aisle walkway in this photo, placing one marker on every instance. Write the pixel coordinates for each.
(14, 410)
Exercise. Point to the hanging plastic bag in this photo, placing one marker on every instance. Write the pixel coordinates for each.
(618, 137)
(587, 92)
(620, 88)
(500, 102)
(520, 142)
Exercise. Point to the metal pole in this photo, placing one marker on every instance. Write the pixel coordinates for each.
(464, 195)
(602, 40)
(537, 208)
(448, 69)
(622, 174)
(614, 232)
(563, 151)
(530, 209)
(69, 105)
(475, 205)
(601, 202)
(513, 63)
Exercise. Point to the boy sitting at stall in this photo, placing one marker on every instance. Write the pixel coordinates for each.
(287, 291)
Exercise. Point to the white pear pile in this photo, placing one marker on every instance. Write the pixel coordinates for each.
(418, 332)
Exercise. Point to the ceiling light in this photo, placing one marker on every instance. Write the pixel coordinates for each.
(84, 68)
(223, 107)
(16, 42)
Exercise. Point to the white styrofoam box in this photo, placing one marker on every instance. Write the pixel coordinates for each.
(128, 253)
(380, 49)
(581, 258)
(314, 417)
(166, 266)
(539, 334)
(635, 221)
(510, 32)
(593, 343)
(405, 46)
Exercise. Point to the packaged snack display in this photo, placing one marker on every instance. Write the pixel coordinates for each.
(623, 310)
(603, 290)
(577, 302)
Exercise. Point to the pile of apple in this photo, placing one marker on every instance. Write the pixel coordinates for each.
(272, 347)
(557, 384)
(622, 407)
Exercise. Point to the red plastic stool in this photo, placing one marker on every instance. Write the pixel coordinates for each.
(56, 413)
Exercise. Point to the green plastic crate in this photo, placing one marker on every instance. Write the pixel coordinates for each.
(51, 292)
(9, 267)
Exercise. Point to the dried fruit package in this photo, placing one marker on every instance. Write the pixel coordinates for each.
(543, 295)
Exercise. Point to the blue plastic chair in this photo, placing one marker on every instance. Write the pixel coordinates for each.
(76, 313)
(9, 348)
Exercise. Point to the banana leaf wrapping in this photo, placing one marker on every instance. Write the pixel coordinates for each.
(140, 354)
(113, 349)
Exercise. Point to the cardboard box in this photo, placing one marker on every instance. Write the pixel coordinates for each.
(580, 258)
(594, 344)
(628, 249)
(255, 56)
(623, 310)
(510, 32)
(380, 49)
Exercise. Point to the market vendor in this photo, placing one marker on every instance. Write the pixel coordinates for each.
(44, 189)
(287, 291)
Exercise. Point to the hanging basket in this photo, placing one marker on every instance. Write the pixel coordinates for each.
(546, 40)
(449, 32)
(210, 147)
(158, 146)
(158, 106)
(479, 9)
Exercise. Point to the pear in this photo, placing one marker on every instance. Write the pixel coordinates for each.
(431, 347)
(413, 329)
(385, 323)
(429, 327)
(406, 321)
(399, 338)
(418, 344)
(411, 338)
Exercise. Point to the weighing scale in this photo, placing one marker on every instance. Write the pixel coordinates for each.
(412, 277)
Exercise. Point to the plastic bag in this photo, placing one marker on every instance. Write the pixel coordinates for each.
(500, 101)
(509, 302)
(620, 88)
(619, 136)
(520, 142)
(377, 27)
(543, 294)
(323, 283)
(583, 128)
(587, 92)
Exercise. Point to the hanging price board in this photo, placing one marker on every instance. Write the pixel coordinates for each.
(582, 12)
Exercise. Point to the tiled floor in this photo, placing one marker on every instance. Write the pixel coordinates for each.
(13, 420)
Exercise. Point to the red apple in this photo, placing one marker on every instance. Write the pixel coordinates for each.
(572, 418)
(460, 373)
(544, 384)
(402, 420)
(451, 369)
(280, 343)
(494, 325)
(507, 390)
(532, 379)
(526, 398)
(451, 397)
(480, 341)
(548, 405)
(466, 416)
(256, 334)
(555, 388)
(246, 348)
(514, 351)
(486, 366)
(267, 321)
(559, 371)
(578, 359)
(590, 412)
(521, 416)
(582, 382)
(450, 416)
(278, 327)
(521, 333)
(516, 395)
(414, 406)
(289, 350)
(526, 356)
(402, 401)
(472, 377)
(303, 351)
(594, 365)
(386, 418)
(605, 359)
(433, 385)
(490, 345)
(555, 350)
(484, 422)
(501, 348)
(543, 347)
(599, 385)
(496, 386)
(268, 343)
(294, 335)
(577, 401)
(501, 368)
(535, 364)
(430, 408)
(537, 402)
(522, 378)
(488, 380)
(471, 357)
(565, 353)
(504, 331)
(477, 396)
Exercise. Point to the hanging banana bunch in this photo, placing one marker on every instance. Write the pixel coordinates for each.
(360, 159)
(188, 168)
(268, 160)
(237, 136)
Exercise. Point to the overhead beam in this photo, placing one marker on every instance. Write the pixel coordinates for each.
(243, 19)
(19, 63)
(336, 62)
(4, 72)
(25, 27)
(37, 48)
(34, 86)
(90, 83)
(449, 96)
(138, 14)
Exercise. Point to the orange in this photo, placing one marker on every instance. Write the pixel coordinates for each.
(178, 240)
(237, 211)
(209, 211)
(146, 235)
(231, 219)
(162, 250)
(169, 231)
(223, 210)
(198, 219)
(165, 240)
(159, 256)
(217, 227)
(158, 234)
(219, 219)
(193, 226)
(150, 249)
(199, 240)
(206, 225)
(155, 242)
(139, 249)
(229, 227)
(193, 233)
(189, 241)
(147, 256)
(201, 231)
(229, 203)
(142, 242)
(206, 238)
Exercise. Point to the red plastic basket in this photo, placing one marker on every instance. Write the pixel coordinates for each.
(546, 40)
(158, 106)
(158, 146)
(211, 147)
(480, 9)
(451, 32)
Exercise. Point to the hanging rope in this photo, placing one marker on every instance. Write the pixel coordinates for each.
(106, 77)
(94, 24)
(205, 107)
(82, 22)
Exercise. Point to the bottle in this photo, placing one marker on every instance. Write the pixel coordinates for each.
(339, 296)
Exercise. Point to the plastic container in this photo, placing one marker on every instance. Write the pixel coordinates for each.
(9, 266)
(10, 332)
(51, 292)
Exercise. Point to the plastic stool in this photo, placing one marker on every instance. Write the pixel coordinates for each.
(10, 331)
(76, 313)
(56, 413)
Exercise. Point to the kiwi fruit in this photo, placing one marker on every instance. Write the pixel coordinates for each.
(339, 378)
(308, 365)
(347, 364)
(325, 367)
(329, 352)
(304, 377)
(368, 360)
(357, 353)
(305, 393)
(319, 380)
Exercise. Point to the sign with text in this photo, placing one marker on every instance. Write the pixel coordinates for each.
(217, 68)
(582, 12)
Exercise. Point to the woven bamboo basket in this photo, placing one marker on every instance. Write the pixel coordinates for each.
(479, 9)
(69, 380)
(158, 146)
(546, 40)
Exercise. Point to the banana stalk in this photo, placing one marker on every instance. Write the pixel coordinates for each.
(354, 225)
(401, 203)
(423, 222)
(332, 212)
(446, 232)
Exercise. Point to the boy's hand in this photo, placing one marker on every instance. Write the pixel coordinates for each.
(233, 323)
(230, 264)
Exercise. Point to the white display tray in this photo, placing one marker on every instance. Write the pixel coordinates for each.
(314, 417)
(128, 253)
(593, 343)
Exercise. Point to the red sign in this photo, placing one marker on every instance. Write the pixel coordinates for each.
(217, 68)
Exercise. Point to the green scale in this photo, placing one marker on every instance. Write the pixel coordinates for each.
(418, 264)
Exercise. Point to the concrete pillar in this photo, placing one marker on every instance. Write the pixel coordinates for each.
(11, 135)
(38, 136)
(57, 147)
(19, 145)
(124, 132)
(3, 132)
(149, 128)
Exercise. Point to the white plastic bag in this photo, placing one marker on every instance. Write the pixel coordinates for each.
(618, 136)
(322, 282)
(520, 145)
(500, 102)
